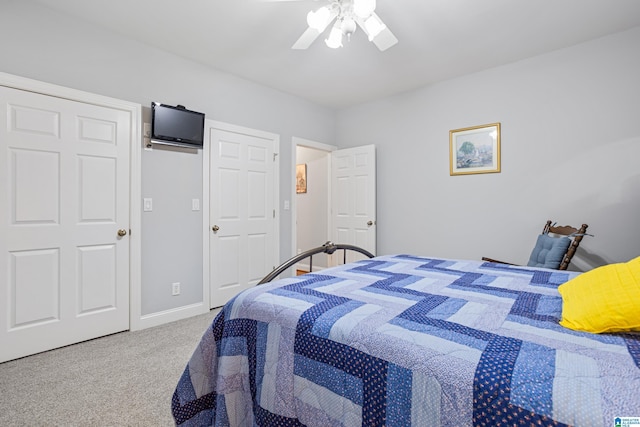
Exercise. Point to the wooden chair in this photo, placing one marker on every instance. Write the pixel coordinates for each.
(554, 248)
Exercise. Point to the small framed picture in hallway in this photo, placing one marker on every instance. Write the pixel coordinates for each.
(301, 178)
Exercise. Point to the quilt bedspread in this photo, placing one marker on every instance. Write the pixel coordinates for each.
(404, 340)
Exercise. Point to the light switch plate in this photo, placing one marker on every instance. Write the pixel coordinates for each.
(195, 204)
(147, 205)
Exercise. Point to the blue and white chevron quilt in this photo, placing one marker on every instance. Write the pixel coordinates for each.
(404, 340)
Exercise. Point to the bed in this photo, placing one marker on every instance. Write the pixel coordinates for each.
(404, 340)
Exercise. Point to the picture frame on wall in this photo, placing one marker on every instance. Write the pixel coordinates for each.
(474, 150)
(301, 178)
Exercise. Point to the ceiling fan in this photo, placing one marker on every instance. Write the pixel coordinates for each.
(347, 16)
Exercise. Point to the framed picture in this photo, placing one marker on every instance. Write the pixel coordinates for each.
(474, 150)
(301, 178)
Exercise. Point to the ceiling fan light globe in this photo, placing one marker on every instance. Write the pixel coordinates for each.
(335, 38)
(318, 20)
(364, 8)
(348, 26)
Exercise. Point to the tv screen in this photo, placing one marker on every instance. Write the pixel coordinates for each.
(176, 125)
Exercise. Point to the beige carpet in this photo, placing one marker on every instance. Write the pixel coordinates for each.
(125, 379)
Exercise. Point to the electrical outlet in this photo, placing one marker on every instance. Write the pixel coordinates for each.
(175, 288)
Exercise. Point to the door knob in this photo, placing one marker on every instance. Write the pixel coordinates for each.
(369, 223)
(122, 232)
(215, 228)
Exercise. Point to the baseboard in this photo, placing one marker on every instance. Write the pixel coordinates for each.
(162, 317)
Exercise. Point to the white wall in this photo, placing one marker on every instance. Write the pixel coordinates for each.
(42, 44)
(570, 152)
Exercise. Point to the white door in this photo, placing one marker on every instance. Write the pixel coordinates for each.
(353, 200)
(64, 195)
(242, 239)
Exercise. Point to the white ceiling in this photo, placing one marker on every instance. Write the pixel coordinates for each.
(438, 39)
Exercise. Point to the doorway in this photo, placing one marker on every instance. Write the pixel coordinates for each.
(311, 205)
(310, 208)
(346, 212)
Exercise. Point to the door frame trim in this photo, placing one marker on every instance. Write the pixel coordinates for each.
(206, 191)
(135, 171)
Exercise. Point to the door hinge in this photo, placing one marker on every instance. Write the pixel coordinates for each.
(274, 156)
(274, 213)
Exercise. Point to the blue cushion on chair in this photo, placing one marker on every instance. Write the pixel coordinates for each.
(549, 251)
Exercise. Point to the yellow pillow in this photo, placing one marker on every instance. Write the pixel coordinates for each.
(605, 299)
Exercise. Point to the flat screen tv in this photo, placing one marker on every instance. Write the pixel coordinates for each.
(176, 126)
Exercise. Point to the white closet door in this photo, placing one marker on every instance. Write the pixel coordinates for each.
(243, 245)
(64, 220)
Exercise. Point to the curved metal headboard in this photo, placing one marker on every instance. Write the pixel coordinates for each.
(327, 248)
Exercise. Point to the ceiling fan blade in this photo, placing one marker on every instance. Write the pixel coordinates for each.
(311, 34)
(384, 39)
(306, 39)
